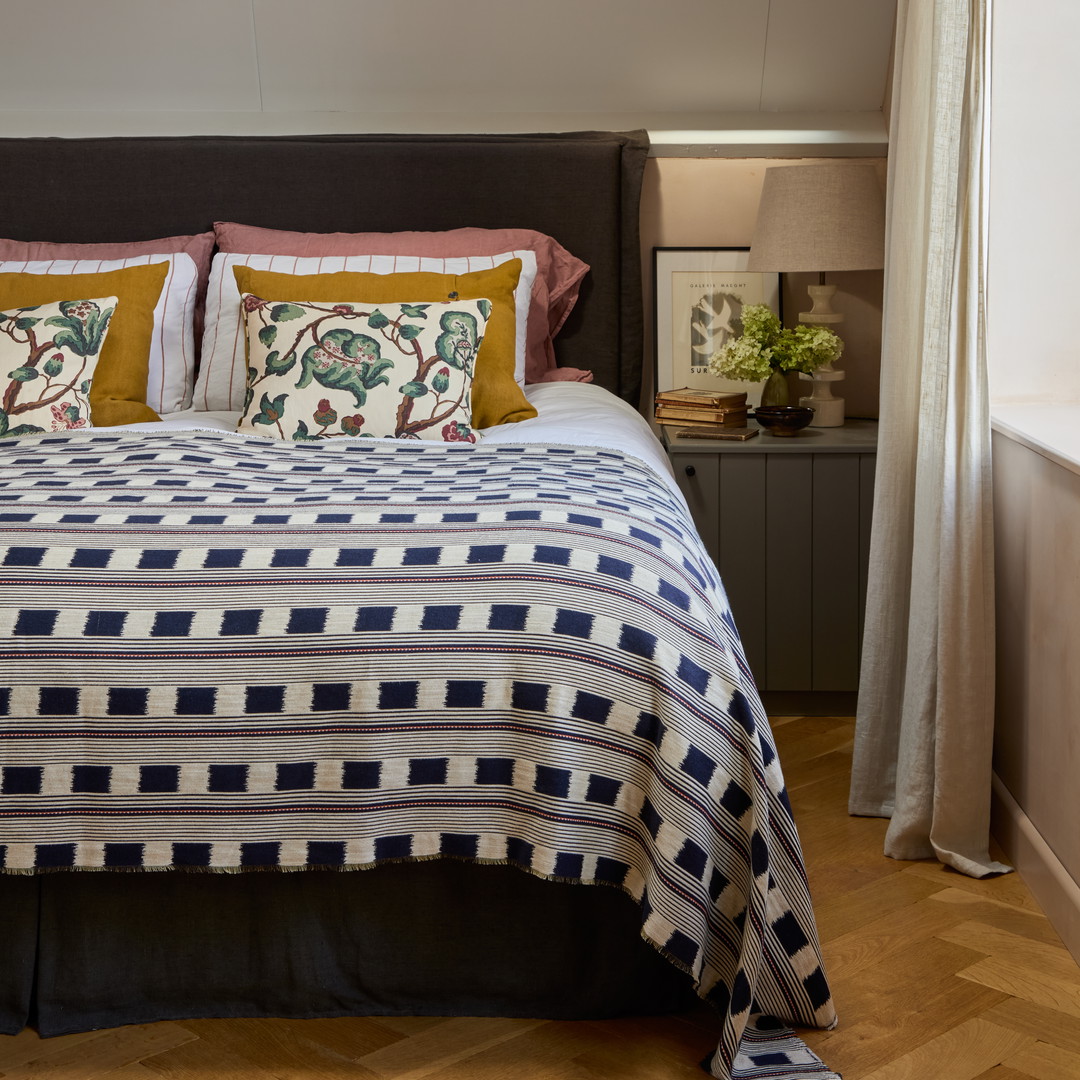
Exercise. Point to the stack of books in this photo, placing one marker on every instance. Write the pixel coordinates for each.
(701, 408)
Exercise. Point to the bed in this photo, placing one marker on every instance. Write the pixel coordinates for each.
(284, 716)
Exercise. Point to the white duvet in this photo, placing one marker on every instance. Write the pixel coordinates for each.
(570, 414)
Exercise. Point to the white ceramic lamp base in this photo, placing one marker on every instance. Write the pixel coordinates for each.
(828, 410)
(821, 314)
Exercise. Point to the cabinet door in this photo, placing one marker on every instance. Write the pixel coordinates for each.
(789, 534)
(743, 554)
(836, 613)
(726, 495)
(789, 559)
(697, 477)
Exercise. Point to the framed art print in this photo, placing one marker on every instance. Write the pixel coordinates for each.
(699, 294)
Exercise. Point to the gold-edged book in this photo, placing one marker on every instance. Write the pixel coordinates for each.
(709, 399)
(676, 414)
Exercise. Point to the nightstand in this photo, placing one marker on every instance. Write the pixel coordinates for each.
(787, 522)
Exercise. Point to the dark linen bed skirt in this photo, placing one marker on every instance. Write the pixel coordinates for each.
(80, 951)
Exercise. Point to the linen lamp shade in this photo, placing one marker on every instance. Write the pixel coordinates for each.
(818, 218)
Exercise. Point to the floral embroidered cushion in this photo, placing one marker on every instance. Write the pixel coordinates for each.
(48, 355)
(386, 371)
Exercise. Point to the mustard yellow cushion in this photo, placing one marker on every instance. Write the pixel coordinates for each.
(496, 397)
(118, 390)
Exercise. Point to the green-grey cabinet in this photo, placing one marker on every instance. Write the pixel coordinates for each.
(787, 522)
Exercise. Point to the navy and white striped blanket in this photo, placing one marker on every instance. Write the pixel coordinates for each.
(219, 652)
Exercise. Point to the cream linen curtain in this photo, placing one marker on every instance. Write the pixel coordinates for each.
(926, 701)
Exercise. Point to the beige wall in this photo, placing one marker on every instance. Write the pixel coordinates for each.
(682, 67)
(1034, 212)
(1037, 734)
(1037, 535)
(711, 202)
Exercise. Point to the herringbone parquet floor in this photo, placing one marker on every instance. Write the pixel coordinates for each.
(936, 976)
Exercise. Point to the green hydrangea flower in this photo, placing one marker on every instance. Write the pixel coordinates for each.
(765, 346)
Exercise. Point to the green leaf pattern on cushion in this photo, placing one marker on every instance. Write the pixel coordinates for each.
(328, 370)
(270, 412)
(460, 339)
(345, 360)
(286, 312)
(82, 326)
(49, 358)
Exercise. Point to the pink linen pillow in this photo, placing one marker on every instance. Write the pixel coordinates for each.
(198, 247)
(178, 318)
(554, 292)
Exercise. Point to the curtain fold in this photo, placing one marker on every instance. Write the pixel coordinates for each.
(925, 716)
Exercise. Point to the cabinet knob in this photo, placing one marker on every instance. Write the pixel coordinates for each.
(690, 470)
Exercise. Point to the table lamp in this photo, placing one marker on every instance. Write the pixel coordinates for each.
(819, 218)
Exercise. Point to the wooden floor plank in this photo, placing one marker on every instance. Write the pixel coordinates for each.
(27, 1046)
(801, 744)
(1045, 1061)
(442, 1046)
(1009, 888)
(961, 1053)
(1024, 954)
(411, 1025)
(1050, 993)
(284, 1049)
(1043, 1023)
(134, 1071)
(87, 1059)
(661, 1048)
(350, 1038)
(1020, 921)
(223, 1058)
(818, 769)
(870, 903)
(880, 1027)
(542, 1051)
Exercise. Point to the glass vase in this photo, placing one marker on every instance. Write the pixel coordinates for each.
(774, 391)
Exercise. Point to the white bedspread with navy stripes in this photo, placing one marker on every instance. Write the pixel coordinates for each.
(221, 653)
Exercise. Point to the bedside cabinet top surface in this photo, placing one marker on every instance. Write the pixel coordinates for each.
(856, 436)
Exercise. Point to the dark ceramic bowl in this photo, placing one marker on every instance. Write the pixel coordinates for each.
(783, 419)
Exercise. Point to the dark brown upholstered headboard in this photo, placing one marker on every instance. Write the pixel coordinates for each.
(582, 188)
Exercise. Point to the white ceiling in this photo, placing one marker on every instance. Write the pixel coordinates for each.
(685, 66)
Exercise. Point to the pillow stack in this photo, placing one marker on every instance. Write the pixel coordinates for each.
(156, 370)
(177, 334)
(550, 294)
(530, 282)
(117, 394)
